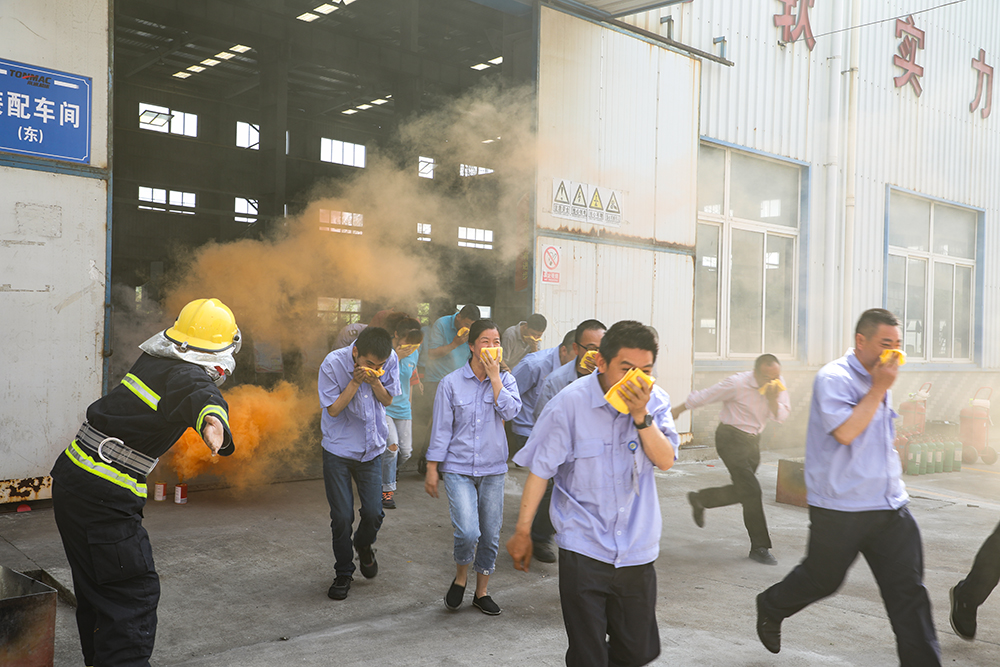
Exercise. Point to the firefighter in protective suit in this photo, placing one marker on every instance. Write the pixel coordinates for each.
(99, 482)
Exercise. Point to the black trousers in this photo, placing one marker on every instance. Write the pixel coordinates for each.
(985, 572)
(423, 417)
(890, 542)
(116, 585)
(609, 612)
(541, 527)
(740, 452)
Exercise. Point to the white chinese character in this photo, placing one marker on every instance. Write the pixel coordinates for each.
(17, 105)
(43, 109)
(1, 105)
(69, 114)
(31, 135)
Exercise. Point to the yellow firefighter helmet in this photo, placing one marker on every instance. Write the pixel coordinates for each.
(206, 325)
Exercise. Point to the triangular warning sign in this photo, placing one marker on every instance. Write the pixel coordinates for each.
(561, 196)
(595, 201)
(613, 205)
(579, 199)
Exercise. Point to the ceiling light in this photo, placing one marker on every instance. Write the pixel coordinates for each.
(239, 48)
(210, 62)
(196, 68)
(223, 55)
(380, 101)
(326, 8)
(349, 111)
(308, 17)
(488, 141)
(182, 75)
(496, 61)
(480, 66)
(346, 2)
(363, 107)
(388, 97)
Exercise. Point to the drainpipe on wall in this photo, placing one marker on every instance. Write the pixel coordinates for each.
(831, 218)
(851, 174)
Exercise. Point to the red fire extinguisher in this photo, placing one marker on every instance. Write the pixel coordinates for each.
(914, 411)
(975, 428)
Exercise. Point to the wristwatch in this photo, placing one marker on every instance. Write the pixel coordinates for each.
(646, 422)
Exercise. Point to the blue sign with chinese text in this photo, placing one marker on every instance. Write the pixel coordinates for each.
(44, 113)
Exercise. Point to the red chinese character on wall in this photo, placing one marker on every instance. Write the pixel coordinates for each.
(913, 39)
(984, 72)
(793, 26)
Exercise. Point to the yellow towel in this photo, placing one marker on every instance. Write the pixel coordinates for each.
(589, 362)
(495, 352)
(463, 331)
(887, 354)
(781, 386)
(374, 372)
(614, 396)
(406, 350)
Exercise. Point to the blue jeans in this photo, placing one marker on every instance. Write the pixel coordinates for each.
(367, 475)
(401, 435)
(476, 506)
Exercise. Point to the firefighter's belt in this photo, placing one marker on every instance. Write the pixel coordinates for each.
(113, 450)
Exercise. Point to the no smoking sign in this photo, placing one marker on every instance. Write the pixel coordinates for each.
(551, 257)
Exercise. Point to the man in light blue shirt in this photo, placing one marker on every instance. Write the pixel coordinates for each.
(355, 385)
(857, 502)
(604, 501)
(530, 375)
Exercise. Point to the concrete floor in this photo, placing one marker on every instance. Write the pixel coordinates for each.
(244, 582)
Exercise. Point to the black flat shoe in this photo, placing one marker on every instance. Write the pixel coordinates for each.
(486, 605)
(453, 598)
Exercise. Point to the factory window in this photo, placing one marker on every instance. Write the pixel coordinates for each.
(341, 152)
(246, 210)
(930, 276)
(340, 221)
(424, 313)
(472, 170)
(171, 201)
(162, 119)
(425, 167)
(471, 237)
(248, 135)
(423, 231)
(746, 249)
(339, 312)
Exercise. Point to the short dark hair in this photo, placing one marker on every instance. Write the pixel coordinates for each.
(412, 336)
(470, 312)
(872, 319)
(588, 325)
(404, 325)
(569, 339)
(478, 327)
(537, 322)
(765, 360)
(375, 342)
(627, 333)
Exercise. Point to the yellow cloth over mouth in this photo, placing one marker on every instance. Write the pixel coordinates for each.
(375, 372)
(614, 396)
(406, 350)
(887, 354)
(777, 382)
(494, 352)
(589, 362)
(464, 331)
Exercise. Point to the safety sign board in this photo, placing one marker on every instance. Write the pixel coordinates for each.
(586, 203)
(44, 112)
(551, 258)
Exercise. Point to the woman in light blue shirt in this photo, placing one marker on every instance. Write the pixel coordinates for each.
(469, 450)
(406, 339)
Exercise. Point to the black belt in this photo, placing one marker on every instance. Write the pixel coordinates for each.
(113, 450)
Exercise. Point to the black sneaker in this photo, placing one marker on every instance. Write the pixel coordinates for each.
(963, 617)
(453, 598)
(486, 605)
(762, 556)
(697, 510)
(388, 502)
(341, 585)
(543, 553)
(369, 566)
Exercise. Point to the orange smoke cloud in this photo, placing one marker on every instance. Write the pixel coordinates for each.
(266, 427)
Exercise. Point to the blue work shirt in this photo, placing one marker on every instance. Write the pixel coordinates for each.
(530, 375)
(359, 431)
(557, 380)
(400, 407)
(864, 475)
(604, 502)
(442, 333)
(467, 436)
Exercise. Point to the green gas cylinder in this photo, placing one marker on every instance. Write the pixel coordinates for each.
(957, 445)
(949, 456)
(938, 456)
(926, 457)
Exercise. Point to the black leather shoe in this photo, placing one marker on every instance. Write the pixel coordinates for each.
(453, 598)
(369, 566)
(697, 510)
(763, 556)
(341, 585)
(543, 553)
(963, 617)
(768, 629)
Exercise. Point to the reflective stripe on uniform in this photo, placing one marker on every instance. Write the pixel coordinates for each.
(139, 388)
(212, 410)
(106, 472)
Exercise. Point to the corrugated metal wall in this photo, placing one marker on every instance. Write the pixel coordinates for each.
(619, 112)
